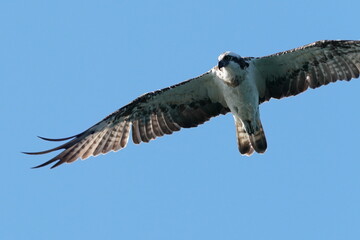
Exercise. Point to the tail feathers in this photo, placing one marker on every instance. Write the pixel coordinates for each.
(258, 139)
(247, 143)
(243, 139)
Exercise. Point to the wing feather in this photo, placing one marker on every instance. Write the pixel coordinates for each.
(125, 135)
(154, 114)
(101, 144)
(109, 143)
(162, 122)
(142, 130)
(116, 145)
(292, 72)
(172, 126)
(85, 147)
(155, 125)
(136, 132)
(149, 129)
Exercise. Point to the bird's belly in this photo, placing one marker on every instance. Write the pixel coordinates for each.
(243, 100)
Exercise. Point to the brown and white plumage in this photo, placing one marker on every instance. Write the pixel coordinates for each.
(237, 85)
(152, 115)
(320, 63)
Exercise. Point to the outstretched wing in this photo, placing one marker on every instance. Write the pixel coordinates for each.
(152, 115)
(292, 72)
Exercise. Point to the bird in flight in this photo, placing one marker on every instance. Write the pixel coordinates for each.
(237, 85)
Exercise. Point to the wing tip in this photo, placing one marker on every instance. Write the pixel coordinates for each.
(42, 152)
(56, 139)
(59, 162)
(52, 149)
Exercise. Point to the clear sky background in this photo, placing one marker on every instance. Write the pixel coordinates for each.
(64, 65)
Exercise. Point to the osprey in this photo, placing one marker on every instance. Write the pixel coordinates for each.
(237, 85)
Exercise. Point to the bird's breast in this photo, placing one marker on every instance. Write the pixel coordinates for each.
(242, 99)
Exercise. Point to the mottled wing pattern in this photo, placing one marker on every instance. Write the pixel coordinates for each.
(152, 115)
(292, 72)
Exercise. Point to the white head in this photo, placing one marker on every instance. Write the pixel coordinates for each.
(230, 57)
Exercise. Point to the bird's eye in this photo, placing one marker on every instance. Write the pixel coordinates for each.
(227, 58)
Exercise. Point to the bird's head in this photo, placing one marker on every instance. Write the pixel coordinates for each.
(230, 58)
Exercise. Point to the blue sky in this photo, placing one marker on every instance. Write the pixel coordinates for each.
(64, 65)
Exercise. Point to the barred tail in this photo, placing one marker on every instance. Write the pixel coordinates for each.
(247, 143)
(243, 139)
(258, 139)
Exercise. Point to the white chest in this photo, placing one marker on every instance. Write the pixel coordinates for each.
(243, 98)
